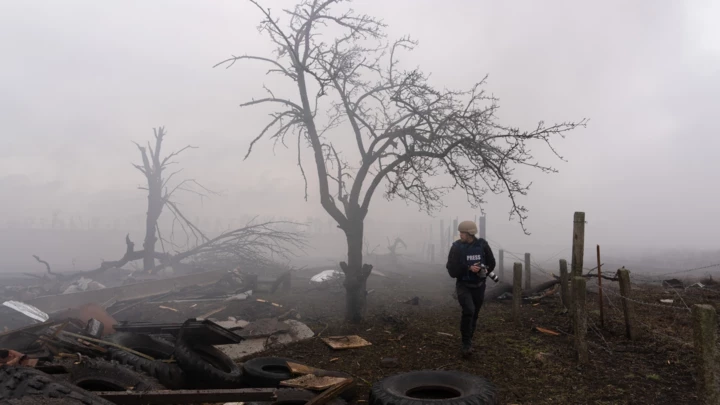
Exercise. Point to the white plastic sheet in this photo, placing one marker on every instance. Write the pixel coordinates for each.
(27, 310)
(326, 275)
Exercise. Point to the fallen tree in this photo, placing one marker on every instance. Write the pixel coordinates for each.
(255, 244)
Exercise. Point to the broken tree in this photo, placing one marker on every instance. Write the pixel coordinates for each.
(253, 244)
(406, 131)
(153, 167)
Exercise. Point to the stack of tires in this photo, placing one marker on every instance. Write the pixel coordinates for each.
(197, 365)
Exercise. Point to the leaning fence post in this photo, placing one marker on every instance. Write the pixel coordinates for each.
(527, 271)
(564, 287)
(580, 319)
(501, 266)
(624, 279)
(704, 336)
(517, 292)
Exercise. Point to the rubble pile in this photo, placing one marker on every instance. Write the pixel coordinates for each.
(72, 344)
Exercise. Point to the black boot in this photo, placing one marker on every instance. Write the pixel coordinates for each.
(467, 350)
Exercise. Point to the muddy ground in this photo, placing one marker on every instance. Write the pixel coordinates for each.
(527, 366)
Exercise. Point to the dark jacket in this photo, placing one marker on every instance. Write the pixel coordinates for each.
(457, 264)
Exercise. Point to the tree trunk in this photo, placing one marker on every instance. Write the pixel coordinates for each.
(155, 205)
(356, 275)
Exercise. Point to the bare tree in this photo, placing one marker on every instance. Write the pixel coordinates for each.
(154, 167)
(406, 130)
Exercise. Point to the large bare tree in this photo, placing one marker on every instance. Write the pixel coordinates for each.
(405, 130)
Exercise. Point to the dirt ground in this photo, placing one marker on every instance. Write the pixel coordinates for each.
(527, 366)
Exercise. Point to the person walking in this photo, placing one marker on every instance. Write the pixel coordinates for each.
(469, 261)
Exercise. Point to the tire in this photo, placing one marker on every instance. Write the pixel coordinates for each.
(206, 364)
(295, 396)
(97, 375)
(266, 372)
(156, 348)
(433, 387)
(25, 383)
(169, 375)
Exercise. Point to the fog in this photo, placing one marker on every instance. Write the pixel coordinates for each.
(81, 80)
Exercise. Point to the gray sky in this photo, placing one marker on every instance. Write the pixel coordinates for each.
(82, 79)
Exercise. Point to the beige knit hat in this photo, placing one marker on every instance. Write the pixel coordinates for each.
(468, 227)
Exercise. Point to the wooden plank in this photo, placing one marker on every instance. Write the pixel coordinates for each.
(189, 396)
(313, 382)
(301, 369)
(331, 394)
(346, 342)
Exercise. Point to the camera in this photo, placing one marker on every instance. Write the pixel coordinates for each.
(490, 274)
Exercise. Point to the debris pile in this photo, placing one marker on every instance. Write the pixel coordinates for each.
(73, 343)
(99, 360)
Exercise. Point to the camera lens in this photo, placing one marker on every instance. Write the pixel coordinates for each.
(493, 276)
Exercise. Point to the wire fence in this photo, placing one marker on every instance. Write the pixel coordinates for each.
(640, 321)
(662, 306)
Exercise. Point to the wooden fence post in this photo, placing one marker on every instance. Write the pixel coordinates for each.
(432, 253)
(580, 319)
(578, 247)
(628, 310)
(564, 287)
(527, 271)
(600, 290)
(704, 336)
(517, 292)
(501, 266)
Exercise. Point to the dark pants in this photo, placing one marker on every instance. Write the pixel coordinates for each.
(471, 300)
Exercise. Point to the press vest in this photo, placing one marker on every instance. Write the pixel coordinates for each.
(473, 254)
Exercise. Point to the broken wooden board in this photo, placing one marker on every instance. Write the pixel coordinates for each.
(188, 396)
(313, 382)
(300, 369)
(331, 393)
(346, 342)
(297, 331)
